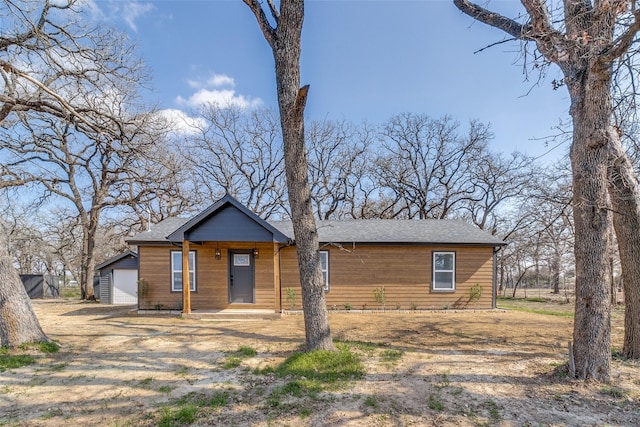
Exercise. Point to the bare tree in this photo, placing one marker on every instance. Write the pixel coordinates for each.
(338, 160)
(85, 169)
(585, 39)
(427, 166)
(284, 37)
(497, 180)
(239, 152)
(58, 69)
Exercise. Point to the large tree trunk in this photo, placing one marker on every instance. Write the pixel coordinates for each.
(18, 322)
(285, 42)
(88, 262)
(624, 192)
(590, 109)
(555, 271)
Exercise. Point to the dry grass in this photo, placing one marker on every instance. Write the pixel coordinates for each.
(422, 368)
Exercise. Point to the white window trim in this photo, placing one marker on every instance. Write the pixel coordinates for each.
(179, 269)
(326, 284)
(433, 274)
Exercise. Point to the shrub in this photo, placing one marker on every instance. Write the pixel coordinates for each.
(475, 293)
(291, 297)
(380, 295)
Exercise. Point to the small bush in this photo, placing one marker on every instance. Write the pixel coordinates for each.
(475, 293)
(291, 297)
(380, 296)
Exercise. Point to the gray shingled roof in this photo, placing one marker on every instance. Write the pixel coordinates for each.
(159, 232)
(385, 231)
(397, 231)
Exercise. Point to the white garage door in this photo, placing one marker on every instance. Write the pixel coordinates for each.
(125, 286)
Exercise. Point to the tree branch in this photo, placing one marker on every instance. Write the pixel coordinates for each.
(493, 19)
(268, 31)
(622, 44)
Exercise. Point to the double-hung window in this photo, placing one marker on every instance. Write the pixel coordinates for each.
(324, 261)
(176, 271)
(444, 271)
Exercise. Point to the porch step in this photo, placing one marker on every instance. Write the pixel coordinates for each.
(232, 315)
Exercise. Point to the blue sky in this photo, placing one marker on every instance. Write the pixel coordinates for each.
(365, 61)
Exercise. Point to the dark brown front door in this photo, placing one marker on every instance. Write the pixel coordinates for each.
(241, 277)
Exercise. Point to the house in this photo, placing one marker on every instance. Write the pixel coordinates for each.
(232, 259)
(118, 279)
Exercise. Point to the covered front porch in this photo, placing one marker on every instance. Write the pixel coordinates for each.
(232, 255)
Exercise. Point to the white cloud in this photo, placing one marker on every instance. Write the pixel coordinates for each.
(181, 122)
(217, 90)
(133, 10)
(218, 80)
(222, 98)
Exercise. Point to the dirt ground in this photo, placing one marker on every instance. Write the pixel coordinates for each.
(456, 369)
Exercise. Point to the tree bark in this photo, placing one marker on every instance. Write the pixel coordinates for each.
(592, 325)
(285, 42)
(556, 262)
(18, 322)
(624, 191)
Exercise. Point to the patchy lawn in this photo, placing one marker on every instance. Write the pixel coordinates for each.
(442, 368)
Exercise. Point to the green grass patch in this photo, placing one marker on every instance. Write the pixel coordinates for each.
(186, 409)
(235, 358)
(516, 307)
(544, 312)
(70, 292)
(365, 347)
(165, 389)
(48, 347)
(435, 403)
(614, 391)
(494, 410)
(200, 400)
(246, 351)
(296, 388)
(391, 356)
(183, 371)
(371, 402)
(323, 366)
(232, 362)
(535, 299)
(145, 383)
(178, 417)
(8, 361)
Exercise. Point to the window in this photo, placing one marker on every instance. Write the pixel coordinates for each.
(176, 271)
(444, 271)
(324, 261)
(243, 260)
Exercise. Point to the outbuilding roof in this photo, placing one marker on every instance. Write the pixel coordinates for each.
(115, 259)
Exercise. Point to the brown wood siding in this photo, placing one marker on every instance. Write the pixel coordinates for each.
(404, 271)
(212, 278)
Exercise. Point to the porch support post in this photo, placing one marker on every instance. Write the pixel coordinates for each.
(186, 284)
(276, 278)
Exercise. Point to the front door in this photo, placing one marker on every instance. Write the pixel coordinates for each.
(241, 277)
